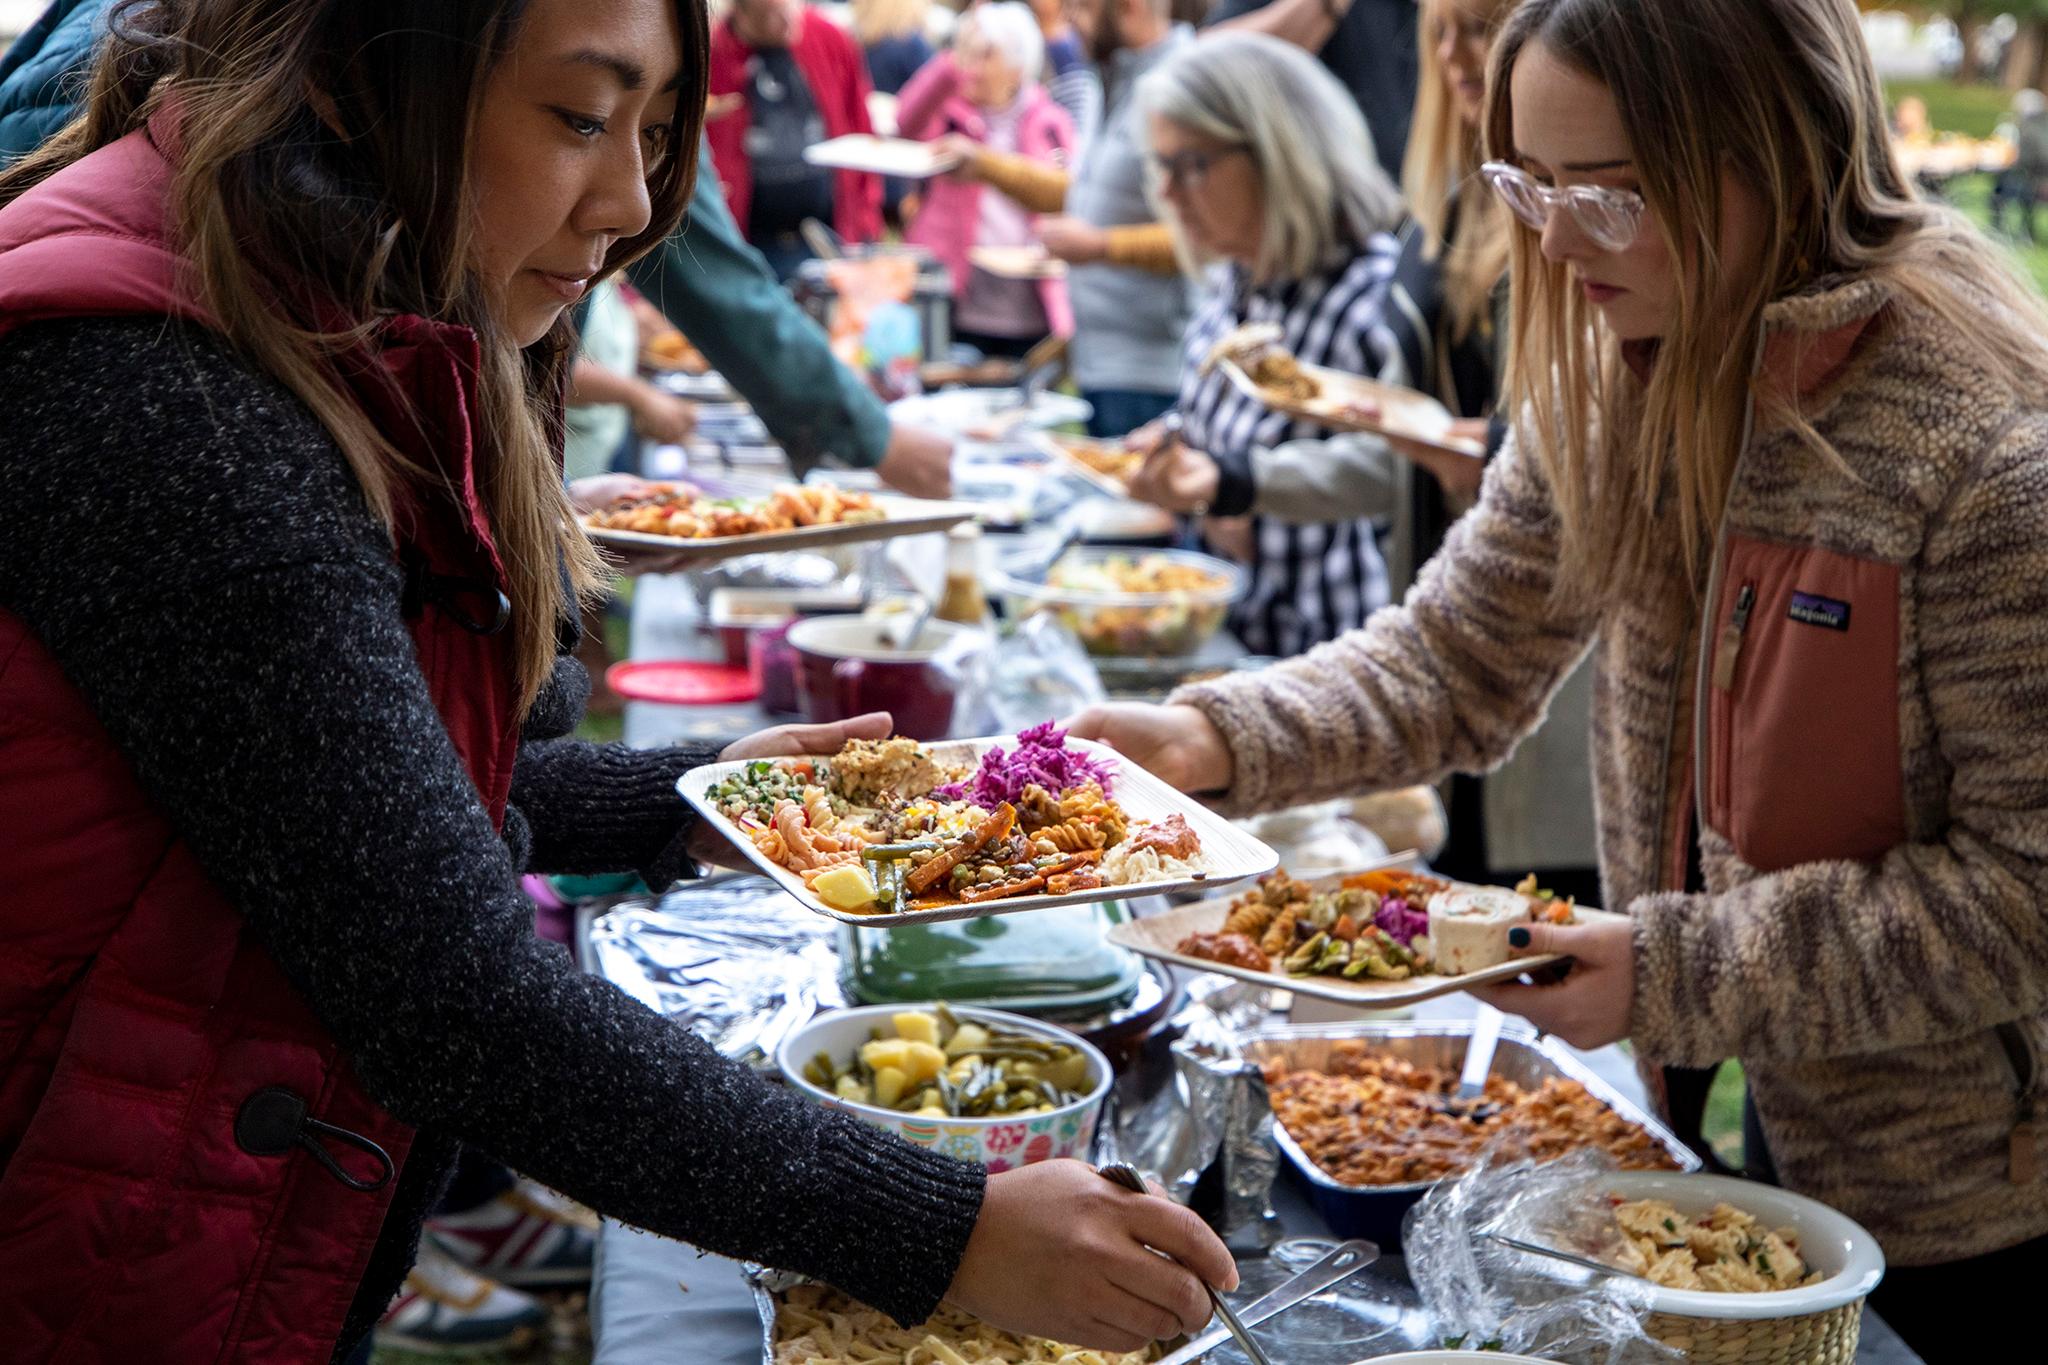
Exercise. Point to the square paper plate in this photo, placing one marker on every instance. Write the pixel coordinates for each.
(895, 156)
(1232, 854)
(1403, 412)
(906, 517)
(1158, 936)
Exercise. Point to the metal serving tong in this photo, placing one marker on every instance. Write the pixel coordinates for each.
(1339, 1263)
(1127, 1175)
(1342, 1260)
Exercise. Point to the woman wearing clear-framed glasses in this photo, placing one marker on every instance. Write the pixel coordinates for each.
(1780, 461)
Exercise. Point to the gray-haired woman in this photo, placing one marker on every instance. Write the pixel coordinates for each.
(1263, 167)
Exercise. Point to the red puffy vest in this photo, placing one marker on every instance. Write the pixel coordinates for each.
(167, 1190)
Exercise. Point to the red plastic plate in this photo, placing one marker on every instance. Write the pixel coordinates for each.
(682, 682)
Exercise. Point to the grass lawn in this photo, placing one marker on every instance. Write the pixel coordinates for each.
(1975, 110)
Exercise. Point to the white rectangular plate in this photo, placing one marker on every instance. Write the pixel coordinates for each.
(1231, 854)
(896, 156)
(1158, 936)
(906, 517)
(1403, 412)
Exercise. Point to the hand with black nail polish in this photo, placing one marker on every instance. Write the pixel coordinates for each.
(1587, 1003)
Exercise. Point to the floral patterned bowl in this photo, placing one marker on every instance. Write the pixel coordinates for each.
(998, 1143)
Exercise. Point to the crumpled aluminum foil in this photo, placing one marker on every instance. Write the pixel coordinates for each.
(1198, 1119)
(737, 959)
(1477, 1290)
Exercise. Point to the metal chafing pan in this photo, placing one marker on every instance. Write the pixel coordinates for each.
(1376, 1211)
(766, 1284)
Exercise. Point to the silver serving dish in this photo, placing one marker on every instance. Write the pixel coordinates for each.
(1376, 1211)
(766, 1284)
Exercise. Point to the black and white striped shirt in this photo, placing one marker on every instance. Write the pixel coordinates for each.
(1310, 582)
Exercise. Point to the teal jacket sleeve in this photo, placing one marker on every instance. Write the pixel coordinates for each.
(43, 75)
(720, 292)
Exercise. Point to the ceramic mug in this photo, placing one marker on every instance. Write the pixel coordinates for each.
(846, 668)
(773, 665)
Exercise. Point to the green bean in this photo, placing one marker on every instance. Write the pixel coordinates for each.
(998, 1052)
(1302, 960)
(903, 850)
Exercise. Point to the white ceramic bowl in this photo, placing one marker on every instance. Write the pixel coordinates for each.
(1830, 1242)
(998, 1143)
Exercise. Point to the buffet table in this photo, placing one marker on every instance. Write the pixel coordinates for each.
(654, 1300)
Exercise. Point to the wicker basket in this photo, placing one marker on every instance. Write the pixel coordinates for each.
(1825, 1338)
(1811, 1324)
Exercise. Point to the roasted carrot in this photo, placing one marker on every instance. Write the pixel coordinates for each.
(997, 826)
(1002, 890)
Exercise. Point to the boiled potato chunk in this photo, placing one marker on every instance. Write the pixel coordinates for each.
(1070, 1073)
(846, 888)
(923, 1062)
(967, 1038)
(850, 1088)
(890, 1052)
(917, 1027)
(890, 1082)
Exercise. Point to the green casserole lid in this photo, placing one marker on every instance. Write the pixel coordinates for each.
(1042, 959)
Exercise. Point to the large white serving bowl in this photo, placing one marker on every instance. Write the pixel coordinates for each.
(1830, 1242)
(999, 1143)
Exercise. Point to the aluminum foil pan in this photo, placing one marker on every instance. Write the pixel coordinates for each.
(766, 1284)
(1376, 1211)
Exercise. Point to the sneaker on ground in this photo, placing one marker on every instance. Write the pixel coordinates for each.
(447, 1309)
(529, 1237)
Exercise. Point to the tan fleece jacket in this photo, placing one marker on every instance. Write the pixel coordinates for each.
(1869, 728)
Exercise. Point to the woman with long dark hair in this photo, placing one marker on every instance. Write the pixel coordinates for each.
(288, 578)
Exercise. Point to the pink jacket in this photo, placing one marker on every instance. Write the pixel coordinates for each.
(932, 106)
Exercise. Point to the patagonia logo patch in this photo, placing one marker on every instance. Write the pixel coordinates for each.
(1812, 610)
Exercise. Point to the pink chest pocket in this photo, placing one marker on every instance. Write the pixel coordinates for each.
(1803, 706)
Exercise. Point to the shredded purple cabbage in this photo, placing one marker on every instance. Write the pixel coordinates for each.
(1041, 757)
(1401, 921)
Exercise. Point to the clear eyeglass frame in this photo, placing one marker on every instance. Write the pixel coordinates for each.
(1611, 219)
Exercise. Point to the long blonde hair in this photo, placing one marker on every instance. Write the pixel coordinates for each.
(1782, 94)
(1442, 165)
(291, 225)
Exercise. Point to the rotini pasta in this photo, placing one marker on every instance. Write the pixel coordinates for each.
(1088, 803)
(1280, 934)
(1251, 920)
(1074, 836)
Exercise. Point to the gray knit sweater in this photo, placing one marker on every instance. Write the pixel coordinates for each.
(187, 541)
